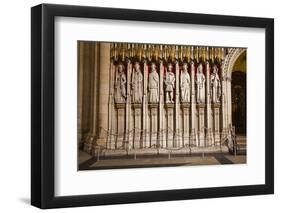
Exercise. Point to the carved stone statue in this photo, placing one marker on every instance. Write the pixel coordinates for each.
(120, 84)
(200, 81)
(185, 84)
(137, 82)
(215, 86)
(153, 85)
(169, 84)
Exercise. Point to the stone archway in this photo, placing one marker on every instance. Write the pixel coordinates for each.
(227, 69)
(238, 92)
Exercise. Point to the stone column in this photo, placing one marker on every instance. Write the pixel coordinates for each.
(224, 106)
(104, 78)
(145, 133)
(177, 138)
(201, 124)
(193, 135)
(229, 103)
(121, 110)
(95, 87)
(153, 123)
(111, 121)
(209, 138)
(137, 126)
(128, 126)
(85, 134)
(161, 105)
(185, 112)
(80, 90)
(170, 125)
(216, 113)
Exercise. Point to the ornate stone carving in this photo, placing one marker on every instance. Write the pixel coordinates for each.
(185, 84)
(153, 85)
(228, 62)
(215, 86)
(137, 84)
(169, 84)
(200, 82)
(120, 85)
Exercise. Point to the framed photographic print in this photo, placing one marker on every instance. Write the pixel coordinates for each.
(139, 106)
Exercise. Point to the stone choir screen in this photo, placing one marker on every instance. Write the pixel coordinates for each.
(155, 105)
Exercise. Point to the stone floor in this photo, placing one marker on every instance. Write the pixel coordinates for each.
(87, 162)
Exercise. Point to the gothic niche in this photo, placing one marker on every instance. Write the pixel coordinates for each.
(166, 97)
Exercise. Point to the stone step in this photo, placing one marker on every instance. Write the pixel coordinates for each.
(242, 144)
(153, 151)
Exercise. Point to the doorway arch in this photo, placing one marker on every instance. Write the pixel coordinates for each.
(238, 88)
(227, 71)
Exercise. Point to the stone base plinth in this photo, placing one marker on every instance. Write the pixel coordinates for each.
(89, 144)
(169, 105)
(120, 124)
(201, 124)
(209, 137)
(193, 138)
(153, 107)
(101, 142)
(185, 107)
(170, 125)
(136, 105)
(137, 125)
(216, 123)
(153, 151)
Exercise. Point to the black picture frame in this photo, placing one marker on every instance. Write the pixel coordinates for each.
(43, 105)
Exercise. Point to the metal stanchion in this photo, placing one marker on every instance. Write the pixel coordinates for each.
(235, 146)
(98, 158)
